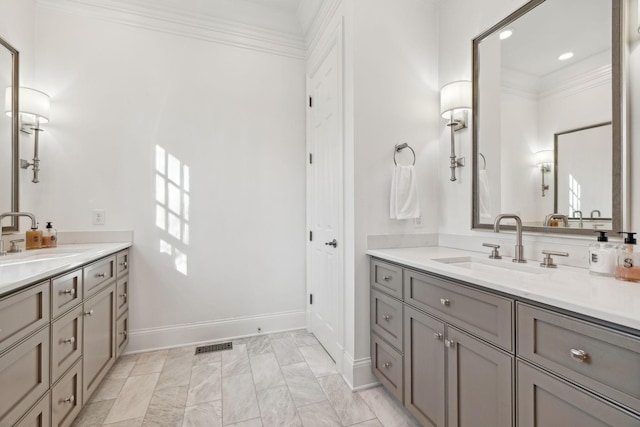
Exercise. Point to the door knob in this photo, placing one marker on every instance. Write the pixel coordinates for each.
(333, 243)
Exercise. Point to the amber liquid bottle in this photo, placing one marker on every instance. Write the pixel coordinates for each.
(33, 239)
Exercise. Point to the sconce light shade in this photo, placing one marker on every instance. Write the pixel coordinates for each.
(33, 103)
(455, 96)
(544, 157)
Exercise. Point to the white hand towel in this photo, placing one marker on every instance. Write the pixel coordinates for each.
(404, 193)
(484, 197)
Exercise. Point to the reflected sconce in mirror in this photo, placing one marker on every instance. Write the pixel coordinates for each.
(455, 97)
(544, 160)
(34, 111)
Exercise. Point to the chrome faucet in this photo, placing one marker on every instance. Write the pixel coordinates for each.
(519, 257)
(548, 218)
(34, 224)
(594, 211)
(580, 224)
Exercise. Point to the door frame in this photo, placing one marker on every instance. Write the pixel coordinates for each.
(316, 59)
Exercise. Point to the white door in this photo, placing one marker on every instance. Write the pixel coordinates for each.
(326, 250)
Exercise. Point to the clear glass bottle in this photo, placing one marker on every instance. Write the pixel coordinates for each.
(33, 239)
(602, 256)
(49, 237)
(628, 265)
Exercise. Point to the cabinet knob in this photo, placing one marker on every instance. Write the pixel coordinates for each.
(579, 355)
(386, 317)
(124, 264)
(69, 340)
(71, 292)
(437, 335)
(101, 275)
(445, 301)
(386, 365)
(386, 278)
(449, 343)
(89, 313)
(123, 295)
(123, 333)
(69, 399)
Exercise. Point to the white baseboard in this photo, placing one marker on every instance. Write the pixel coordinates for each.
(357, 373)
(217, 330)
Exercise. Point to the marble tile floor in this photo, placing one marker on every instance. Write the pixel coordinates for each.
(284, 379)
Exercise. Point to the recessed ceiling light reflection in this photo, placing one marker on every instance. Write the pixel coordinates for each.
(506, 34)
(565, 56)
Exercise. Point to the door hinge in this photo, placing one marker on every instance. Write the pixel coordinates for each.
(310, 102)
(310, 158)
(310, 298)
(311, 236)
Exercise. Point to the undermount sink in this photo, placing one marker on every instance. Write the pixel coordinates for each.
(37, 255)
(490, 265)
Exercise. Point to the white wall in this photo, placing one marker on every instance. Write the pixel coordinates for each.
(232, 118)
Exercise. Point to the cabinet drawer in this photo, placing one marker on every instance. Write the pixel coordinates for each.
(122, 333)
(387, 366)
(66, 291)
(122, 295)
(39, 415)
(484, 315)
(66, 397)
(23, 313)
(601, 359)
(97, 274)
(66, 342)
(386, 318)
(24, 377)
(544, 400)
(122, 263)
(386, 278)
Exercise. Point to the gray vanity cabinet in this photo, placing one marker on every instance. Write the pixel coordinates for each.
(99, 351)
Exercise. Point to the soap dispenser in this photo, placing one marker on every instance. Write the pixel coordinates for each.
(33, 238)
(628, 264)
(602, 256)
(49, 237)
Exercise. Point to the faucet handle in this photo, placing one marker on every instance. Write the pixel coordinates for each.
(15, 246)
(547, 262)
(494, 253)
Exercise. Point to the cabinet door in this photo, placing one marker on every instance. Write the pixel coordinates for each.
(122, 289)
(39, 415)
(23, 313)
(544, 400)
(480, 381)
(122, 333)
(424, 354)
(66, 342)
(99, 350)
(66, 399)
(66, 292)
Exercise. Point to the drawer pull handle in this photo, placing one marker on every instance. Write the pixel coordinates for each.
(69, 399)
(445, 301)
(123, 264)
(386, 317)
(437, 335)
(579, 355)
(101, 275)
(386, 278)
(450, 343)
(123, 333)
(89, 313)
(69, 340)
(386, 365)
(123, 295)
(71, 292)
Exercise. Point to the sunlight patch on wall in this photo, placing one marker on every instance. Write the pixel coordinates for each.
(172, 207)
(574, 195)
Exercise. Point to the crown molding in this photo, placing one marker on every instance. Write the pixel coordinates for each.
(155, 17)
(320, 23)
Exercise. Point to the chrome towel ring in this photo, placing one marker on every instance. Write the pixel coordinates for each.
(400, 147)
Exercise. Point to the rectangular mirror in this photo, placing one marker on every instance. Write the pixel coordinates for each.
(9, 156)
(545, 80)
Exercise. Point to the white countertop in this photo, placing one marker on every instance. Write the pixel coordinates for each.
(28, 267)
(569, 288)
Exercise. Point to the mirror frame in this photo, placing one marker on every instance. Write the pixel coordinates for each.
(616, 120)
(15, 149)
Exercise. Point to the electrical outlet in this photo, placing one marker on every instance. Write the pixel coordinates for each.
(98, 217)
(417, 221)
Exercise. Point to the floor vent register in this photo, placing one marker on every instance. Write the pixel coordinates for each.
(214, 347)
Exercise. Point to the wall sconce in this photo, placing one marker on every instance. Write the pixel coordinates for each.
(34, 110)
(544, 160)
(455, 96)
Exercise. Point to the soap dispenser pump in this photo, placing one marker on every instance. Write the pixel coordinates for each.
(628, 263)
(602, 256)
